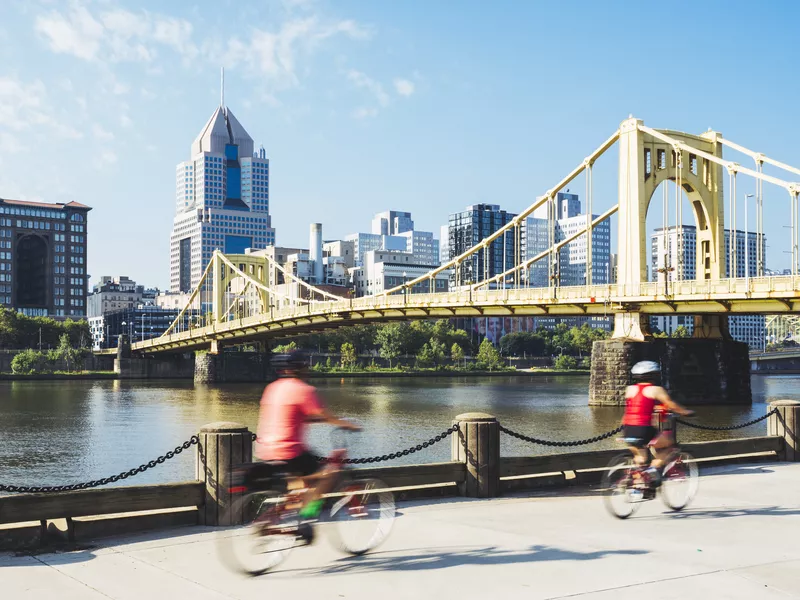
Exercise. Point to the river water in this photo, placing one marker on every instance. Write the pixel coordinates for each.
(57, 432)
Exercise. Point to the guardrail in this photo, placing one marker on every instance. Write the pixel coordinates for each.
(476, 470)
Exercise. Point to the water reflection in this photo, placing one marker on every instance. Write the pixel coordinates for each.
(54, 432)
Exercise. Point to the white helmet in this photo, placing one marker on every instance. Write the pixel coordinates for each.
(645, 367)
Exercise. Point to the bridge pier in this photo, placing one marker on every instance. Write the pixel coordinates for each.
(233, 367)
(694, 370)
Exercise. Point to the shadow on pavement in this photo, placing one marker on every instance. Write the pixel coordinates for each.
(723, 513)
(443, 558)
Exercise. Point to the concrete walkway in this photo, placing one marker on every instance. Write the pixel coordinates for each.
(738, 540)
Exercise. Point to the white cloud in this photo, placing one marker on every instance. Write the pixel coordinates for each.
(101, 134)
(361, 80)
(365, 113)
(115, 35)
(274, 55)
(25, 106)
(404, 87)
(125, 120)
(105, 158)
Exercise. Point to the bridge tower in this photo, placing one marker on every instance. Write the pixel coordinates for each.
(647, 158)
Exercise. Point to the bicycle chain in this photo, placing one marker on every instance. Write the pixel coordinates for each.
(23, 489)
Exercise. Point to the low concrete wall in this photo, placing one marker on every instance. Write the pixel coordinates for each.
(233, 367)
(90, 363)
(695, 371)
(178, 366)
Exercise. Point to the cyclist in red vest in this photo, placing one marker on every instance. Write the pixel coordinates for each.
(646, 401)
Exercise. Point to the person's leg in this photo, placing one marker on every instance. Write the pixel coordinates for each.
(662, 446)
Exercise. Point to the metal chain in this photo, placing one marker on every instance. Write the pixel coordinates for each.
(22, 489)
(394, 455)
(729, 428)
(534, 440)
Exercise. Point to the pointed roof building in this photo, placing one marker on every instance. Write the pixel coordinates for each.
(221, 129)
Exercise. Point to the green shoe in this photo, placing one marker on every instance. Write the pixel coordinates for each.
(311, 510)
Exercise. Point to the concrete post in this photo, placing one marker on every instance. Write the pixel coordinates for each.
(478, 445)
(222, 447)
(786, 424)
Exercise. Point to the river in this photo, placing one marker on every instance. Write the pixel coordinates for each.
(56, 432)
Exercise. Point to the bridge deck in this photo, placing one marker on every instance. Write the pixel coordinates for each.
(739, 540)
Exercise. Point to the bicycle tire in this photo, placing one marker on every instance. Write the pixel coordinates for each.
(680, 470)
(246, 549)
(616, 490)
(361, 506)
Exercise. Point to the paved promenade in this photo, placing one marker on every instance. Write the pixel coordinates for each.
(740, 539)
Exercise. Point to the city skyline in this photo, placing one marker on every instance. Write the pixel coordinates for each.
(107, 94)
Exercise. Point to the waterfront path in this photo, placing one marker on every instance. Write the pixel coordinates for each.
(738, 540)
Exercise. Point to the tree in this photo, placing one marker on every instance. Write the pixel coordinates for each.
(456, 353)
(431, 354)
(566, 362)
(348, 356)
(66, 352)
(285, 348)
(390, 339)
(28, 362)
(680, 332)
(488, 356)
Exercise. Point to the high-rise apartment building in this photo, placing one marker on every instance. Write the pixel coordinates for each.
(43, 258)
(469, 227)
(572, 259)
(222, 200)
(673, 258)
(393, 230)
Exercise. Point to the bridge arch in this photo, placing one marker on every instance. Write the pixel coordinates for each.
(645, 163)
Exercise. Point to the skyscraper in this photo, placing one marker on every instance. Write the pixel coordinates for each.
(469, 227)
(671, 264)
(222, 200)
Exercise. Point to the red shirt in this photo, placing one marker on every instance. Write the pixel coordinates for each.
(285, 407)
(639, 408)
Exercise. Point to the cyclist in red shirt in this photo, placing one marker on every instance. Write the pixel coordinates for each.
(645, 401)
(287, 405)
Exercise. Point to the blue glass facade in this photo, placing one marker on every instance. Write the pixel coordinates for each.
(236, 244)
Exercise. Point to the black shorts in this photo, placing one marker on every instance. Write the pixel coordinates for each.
(643, 434)
(303, 464)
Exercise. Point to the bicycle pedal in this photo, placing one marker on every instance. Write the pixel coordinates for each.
(305, 532)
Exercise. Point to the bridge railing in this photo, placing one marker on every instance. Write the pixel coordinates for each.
(30, 515)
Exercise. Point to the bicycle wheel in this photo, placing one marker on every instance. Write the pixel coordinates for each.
(679, 481)
(266, 537)
(362, 511)
(619, 494)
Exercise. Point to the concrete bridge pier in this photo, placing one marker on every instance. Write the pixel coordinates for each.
(709, 368)
(233, 367)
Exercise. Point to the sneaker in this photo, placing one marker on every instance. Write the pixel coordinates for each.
(306, 533)
(654, 475)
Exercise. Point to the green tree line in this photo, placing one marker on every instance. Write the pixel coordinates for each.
(18, 331)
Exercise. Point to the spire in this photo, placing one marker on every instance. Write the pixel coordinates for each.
(222, 88)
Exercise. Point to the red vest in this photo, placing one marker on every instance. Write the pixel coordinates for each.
(639, 408)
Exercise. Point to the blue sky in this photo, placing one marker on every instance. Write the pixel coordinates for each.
(366, 106)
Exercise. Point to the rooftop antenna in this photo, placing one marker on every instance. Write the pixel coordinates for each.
(222, 88)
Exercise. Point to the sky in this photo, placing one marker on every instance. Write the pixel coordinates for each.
(369, 106)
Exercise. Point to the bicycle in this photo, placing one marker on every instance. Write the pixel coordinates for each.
(626, 485)
(361, 508)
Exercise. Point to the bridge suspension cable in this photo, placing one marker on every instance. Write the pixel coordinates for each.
(549, 196)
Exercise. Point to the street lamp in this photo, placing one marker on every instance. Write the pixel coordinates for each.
(746, 244)
(405, 290)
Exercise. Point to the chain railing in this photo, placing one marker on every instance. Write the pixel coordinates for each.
(394, 455)
(728, 427)
(533, 440)
(23, 489)
(364, 460)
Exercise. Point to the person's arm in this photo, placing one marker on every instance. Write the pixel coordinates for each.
(660, 394)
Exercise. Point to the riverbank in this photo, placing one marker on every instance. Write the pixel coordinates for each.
(359, 374)
(444, 373)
